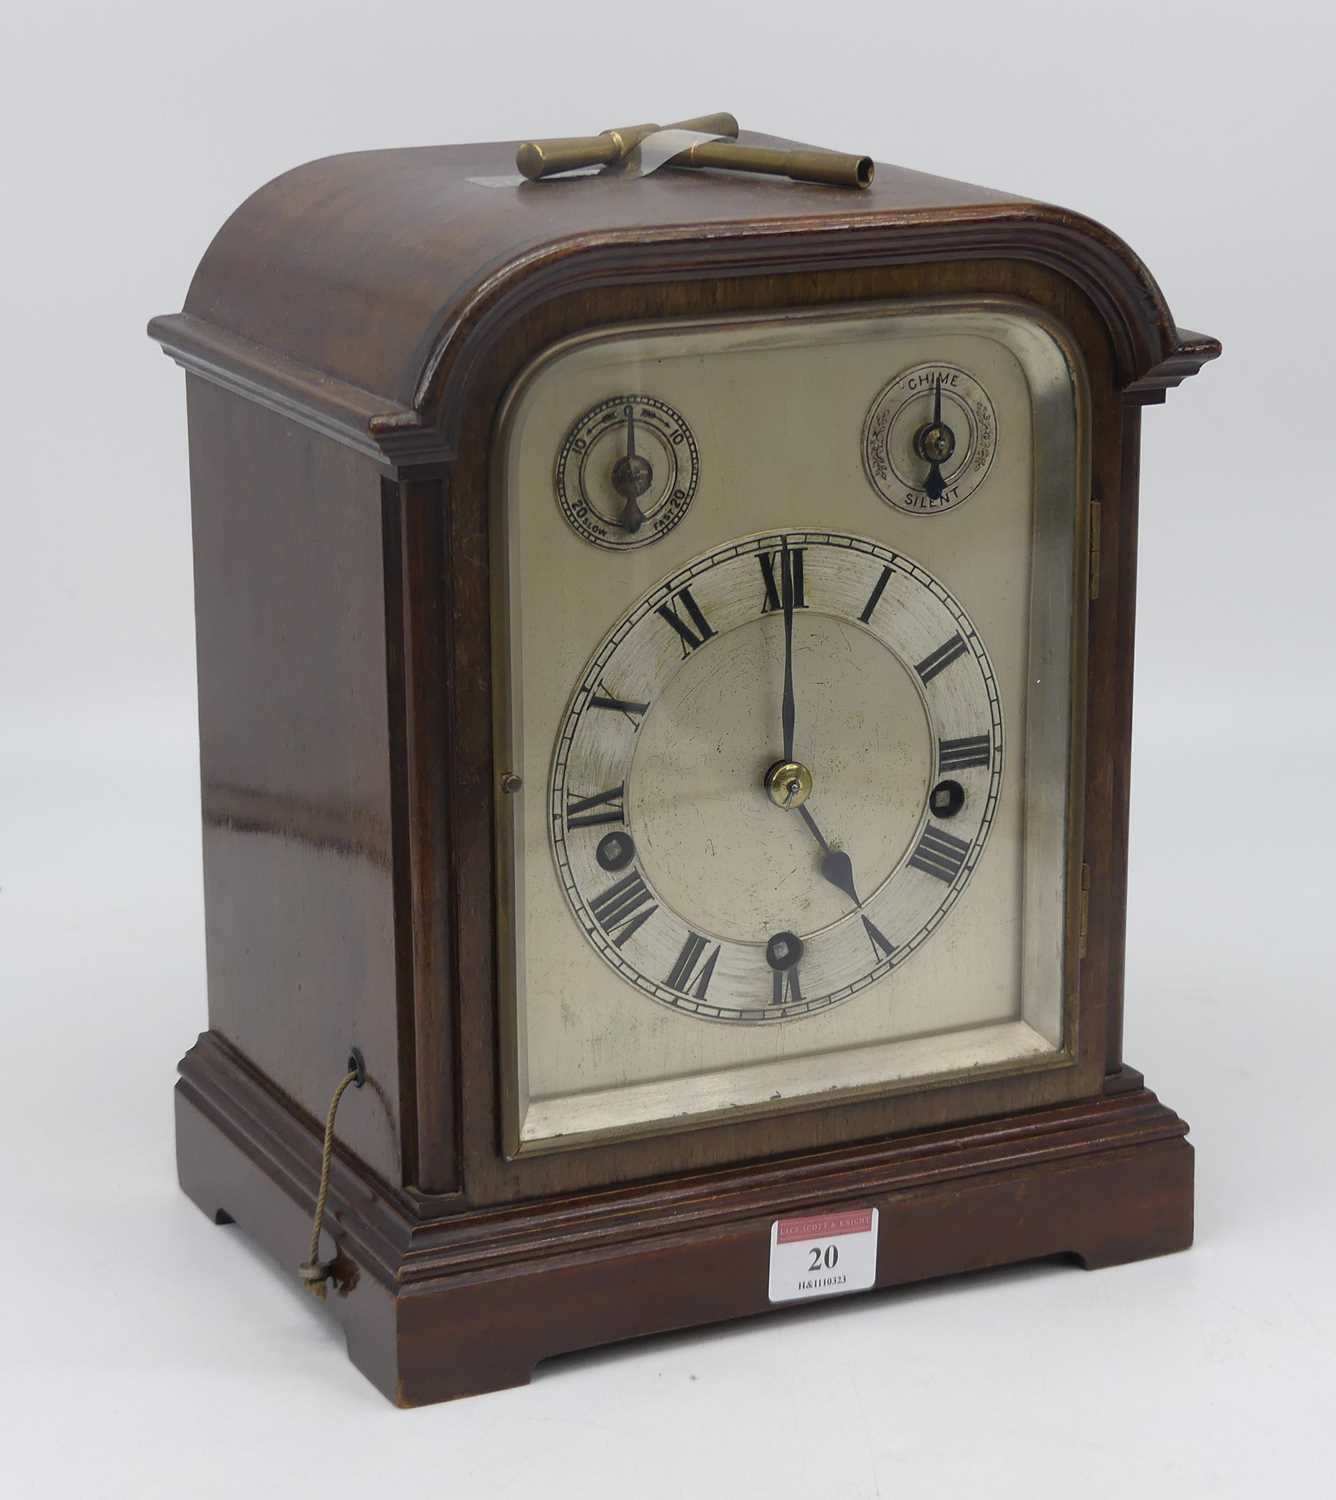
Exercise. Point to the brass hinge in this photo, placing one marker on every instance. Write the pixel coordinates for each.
(1094, 550)
(1083, 921)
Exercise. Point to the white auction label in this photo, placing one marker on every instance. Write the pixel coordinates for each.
(822, 1255)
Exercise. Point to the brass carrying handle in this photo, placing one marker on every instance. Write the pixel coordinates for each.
(539, 159)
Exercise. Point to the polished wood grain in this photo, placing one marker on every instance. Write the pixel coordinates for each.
(384, 271)
(350, 336)
(435, 1308)
(295, 779)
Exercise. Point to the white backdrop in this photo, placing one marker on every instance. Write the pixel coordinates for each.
(147, 1353)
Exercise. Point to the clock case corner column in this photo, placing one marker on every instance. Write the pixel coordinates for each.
(437, 904)
(1111, 642)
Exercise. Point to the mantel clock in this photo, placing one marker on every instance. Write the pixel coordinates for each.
(665, 638)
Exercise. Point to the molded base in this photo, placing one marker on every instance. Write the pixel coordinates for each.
(438, 1300)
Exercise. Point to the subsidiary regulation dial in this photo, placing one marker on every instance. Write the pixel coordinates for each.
(627, 471)
(929, 439)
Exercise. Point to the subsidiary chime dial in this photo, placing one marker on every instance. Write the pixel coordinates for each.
(776, 775)
(627, 471)
(929, 439)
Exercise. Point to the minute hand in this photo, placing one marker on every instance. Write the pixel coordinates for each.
(788, 711)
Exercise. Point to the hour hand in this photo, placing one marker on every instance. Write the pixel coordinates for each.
(836, 866)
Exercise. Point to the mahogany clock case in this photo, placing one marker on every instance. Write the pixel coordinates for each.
(349, 339)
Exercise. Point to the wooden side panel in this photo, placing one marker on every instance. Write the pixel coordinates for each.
(295, 759)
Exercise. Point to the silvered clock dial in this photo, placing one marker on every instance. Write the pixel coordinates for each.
(776, 776)
(786, 781)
